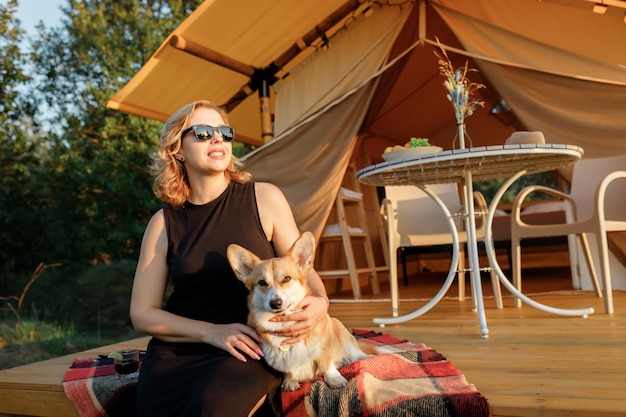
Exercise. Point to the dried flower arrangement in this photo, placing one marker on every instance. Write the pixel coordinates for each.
(460, 88)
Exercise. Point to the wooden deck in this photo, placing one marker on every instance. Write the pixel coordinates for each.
(532, 364)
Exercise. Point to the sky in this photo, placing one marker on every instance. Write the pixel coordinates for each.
(30, 12)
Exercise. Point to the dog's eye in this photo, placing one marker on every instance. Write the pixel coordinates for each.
(286, 278)
(262, 283)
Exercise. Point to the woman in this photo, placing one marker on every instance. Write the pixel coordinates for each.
(203, 360)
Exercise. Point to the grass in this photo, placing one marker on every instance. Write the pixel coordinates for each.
(64, 311)
(38, 341)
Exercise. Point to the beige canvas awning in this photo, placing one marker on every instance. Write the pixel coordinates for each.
(225, 50)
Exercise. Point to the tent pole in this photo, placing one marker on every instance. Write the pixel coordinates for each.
(267, 130)
(207, 54)
(422, 21)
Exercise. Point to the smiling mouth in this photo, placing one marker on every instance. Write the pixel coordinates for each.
(217, 154)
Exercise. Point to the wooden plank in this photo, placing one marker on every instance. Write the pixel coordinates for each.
(34, 402)
(514, 406)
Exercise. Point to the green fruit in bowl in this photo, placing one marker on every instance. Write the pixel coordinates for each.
(417, 142)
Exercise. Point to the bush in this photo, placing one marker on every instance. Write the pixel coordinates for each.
(63, 314)
(102, 298)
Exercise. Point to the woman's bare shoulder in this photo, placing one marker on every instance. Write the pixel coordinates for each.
(266, 187)
(156, 225)
(268, 193)
(157, 219)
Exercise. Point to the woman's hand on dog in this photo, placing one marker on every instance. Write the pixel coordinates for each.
(237, 339)
(308, 313)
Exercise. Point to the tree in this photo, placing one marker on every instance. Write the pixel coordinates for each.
(74, 184)
(20, 151)
(98, 156)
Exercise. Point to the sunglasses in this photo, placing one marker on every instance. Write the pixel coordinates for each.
(206, 132)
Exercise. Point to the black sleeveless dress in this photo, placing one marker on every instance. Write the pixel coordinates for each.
(196, 379)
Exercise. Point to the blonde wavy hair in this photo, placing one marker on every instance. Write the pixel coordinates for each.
(170, 178)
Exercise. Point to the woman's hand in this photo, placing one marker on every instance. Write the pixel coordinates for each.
(311, 310)
(236, 339)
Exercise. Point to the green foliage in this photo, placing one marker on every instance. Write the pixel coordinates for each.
(15, 303)
(19, 145)
(490, 187)
(103, 296)
(92, 301)
(95, 300)
(12, 74)
(36, 341)
(99, 159)
(74, 182)
(40, 340)
(67, 311)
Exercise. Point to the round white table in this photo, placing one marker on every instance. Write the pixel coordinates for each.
(465, 166)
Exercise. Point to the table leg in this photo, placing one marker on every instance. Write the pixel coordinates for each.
(493, 262)
(472, 252)
(451, 274)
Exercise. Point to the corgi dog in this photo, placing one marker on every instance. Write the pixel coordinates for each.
(276, 287)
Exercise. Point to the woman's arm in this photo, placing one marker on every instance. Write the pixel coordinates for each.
(280, 227)
(146, 310)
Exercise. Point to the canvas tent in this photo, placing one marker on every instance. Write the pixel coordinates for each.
(353, 72)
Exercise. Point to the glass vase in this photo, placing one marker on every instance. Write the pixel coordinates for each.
(461, 135)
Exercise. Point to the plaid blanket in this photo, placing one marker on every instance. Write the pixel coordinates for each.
(94, 390)
(412, 380)
(409, 380)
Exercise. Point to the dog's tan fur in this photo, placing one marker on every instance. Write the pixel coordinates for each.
(276, 286)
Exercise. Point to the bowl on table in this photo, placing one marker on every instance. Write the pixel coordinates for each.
(408, 152)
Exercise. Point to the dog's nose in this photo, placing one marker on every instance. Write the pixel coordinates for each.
(276, 303)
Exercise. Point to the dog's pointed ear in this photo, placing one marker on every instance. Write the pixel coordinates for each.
(242, 261)
(303, 251)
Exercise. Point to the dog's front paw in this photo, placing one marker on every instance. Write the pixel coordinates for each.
(290, 385)
(336, 381)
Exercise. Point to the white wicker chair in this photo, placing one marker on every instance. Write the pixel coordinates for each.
(593, 179)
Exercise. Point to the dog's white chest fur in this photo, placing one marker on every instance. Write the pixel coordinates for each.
(296, 359)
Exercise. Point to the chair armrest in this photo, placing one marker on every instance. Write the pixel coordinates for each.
(480, 203)
(385, 208)
(516, 208)
(386, 211)
(601, 191)
(481, 208)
